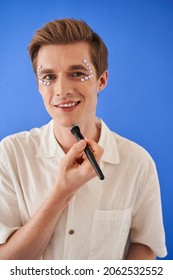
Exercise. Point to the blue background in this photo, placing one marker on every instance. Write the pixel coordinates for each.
(138, 101)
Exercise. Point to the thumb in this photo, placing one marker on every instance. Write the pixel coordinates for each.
(75, 151)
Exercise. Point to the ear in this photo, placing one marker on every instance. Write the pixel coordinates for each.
(102, 81)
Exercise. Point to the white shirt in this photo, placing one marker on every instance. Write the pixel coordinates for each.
(102, 215)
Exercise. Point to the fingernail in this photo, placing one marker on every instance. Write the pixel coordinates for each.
(83, 142)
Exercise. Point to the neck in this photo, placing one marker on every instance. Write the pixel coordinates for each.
(66, 139)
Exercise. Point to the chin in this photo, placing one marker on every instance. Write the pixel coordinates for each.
(65, 123)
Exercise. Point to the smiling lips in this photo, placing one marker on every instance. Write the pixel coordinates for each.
(68, 106)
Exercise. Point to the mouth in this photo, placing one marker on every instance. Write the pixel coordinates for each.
(68, 106)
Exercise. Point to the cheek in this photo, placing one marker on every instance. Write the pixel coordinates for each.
(91, 98)
(45, 92)
(89, 85)
(46, 97)
(91, 92)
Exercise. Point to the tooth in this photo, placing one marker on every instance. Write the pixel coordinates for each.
(68, 105)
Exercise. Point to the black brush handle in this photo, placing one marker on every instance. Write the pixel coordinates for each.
(75, 130)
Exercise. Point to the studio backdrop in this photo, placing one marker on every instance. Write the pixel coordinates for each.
(138, 100)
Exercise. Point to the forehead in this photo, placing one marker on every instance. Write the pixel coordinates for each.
(63, 55)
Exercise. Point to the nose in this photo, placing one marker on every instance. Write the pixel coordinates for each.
(62, 86)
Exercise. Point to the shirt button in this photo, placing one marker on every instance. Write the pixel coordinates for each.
(71, 231)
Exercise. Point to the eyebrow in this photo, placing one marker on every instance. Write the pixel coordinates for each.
(45, 71)
(72, 67)
(78, 67)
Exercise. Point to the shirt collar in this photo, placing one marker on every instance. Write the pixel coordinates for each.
(108, 142)
(49, 147)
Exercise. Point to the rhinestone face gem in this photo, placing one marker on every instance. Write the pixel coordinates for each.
(86, 78)
(42, 81)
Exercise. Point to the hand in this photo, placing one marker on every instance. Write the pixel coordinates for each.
(75, 168)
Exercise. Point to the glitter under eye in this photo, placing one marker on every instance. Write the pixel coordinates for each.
(42, 81)
(86, 78)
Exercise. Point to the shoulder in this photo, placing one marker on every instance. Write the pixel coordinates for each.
(130, 153)
(25, 140)
(126, 145)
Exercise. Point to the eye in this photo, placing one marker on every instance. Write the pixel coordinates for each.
(77, 74)
(49, 77)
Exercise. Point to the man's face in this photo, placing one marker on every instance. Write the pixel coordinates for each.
(68, 84)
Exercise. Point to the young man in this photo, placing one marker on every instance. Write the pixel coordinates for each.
(52, 203)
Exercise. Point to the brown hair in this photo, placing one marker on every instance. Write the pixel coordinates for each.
(66, 31)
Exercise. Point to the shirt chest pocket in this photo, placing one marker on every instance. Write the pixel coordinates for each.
(110, 230)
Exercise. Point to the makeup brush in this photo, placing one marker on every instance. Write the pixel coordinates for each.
(75, 130)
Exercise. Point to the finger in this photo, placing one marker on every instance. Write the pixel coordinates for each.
(95, 148)
(75, 151)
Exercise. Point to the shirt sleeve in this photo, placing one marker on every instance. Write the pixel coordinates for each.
(147, 223)
(10, 219)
